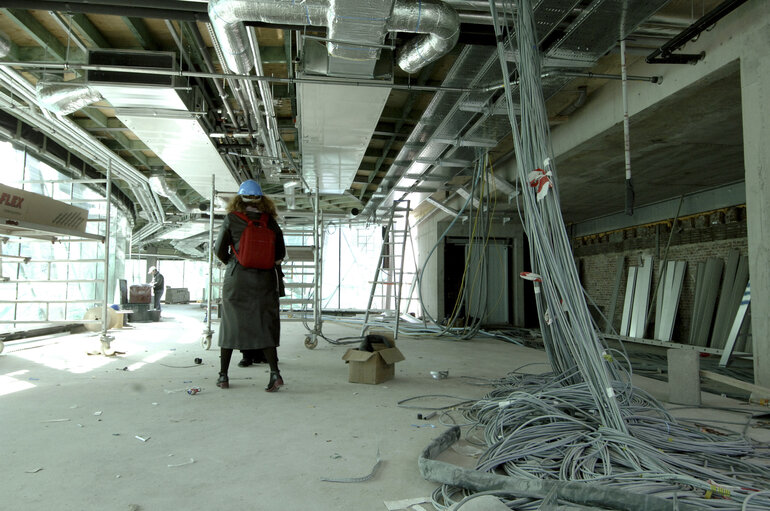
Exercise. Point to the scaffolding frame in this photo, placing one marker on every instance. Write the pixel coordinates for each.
(45, 233)
(314, 331)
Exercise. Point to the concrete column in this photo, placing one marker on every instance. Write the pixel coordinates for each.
(755, 97)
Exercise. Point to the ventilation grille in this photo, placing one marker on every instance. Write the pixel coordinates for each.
(164, 61)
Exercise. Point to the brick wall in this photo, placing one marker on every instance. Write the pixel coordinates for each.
(696, 238)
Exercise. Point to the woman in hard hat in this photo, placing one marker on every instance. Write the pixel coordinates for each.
(250, 316)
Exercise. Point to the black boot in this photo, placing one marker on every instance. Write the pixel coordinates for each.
(223, 382)
(245, 362)
(275, 382)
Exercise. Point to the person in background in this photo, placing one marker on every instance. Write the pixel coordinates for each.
(250, 315)
(251, 357)
(158, 286)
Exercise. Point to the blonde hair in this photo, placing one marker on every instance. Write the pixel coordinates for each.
(263, 204)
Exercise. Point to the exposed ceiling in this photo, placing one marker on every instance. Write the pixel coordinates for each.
(422, 140)
(682, 144)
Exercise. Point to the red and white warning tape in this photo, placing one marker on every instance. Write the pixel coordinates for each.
(541, 180)
(528, 275)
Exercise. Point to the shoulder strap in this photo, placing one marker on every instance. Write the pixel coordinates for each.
(242, 216)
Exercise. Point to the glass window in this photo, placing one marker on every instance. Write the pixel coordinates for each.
(71, 264)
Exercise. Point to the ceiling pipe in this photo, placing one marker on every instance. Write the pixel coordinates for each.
(626, 133)
(65, 131)
(271, 126)
(235, 85)
(237, 91)
(145, 232)
(475, 18)
(665, 54)
(261, 127)
(478, 5)
(606, 76)
(198, 40)
(184, 56)
(227, 17)
(160, 186)
(254, 78)
(55, 128)
(219, 84)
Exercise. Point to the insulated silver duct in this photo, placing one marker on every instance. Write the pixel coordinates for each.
(364, 23)
(227, 16)
(357, 27)
(160, 186)
(145, 232)
(65, 99)
(440, 24)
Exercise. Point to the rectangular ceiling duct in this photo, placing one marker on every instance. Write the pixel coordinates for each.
(160, 115)
(337, 125)
(336, 121)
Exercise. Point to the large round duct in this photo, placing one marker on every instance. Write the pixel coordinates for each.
(65, 99)
(358, 25)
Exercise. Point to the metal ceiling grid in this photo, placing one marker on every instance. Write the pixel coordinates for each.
(600, 26)
(468, 71)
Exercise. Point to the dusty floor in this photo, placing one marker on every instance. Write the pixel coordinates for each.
(85, 432)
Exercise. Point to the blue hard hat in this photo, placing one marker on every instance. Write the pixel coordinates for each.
(250, 187)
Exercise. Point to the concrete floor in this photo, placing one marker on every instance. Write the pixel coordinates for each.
(70, 421)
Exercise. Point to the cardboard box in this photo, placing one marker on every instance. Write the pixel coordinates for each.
(373, 366)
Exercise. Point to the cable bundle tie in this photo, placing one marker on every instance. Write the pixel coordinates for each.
(503, 404)
(541, 180)
(719, 490)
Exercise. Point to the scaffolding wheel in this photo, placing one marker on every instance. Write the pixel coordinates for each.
(106, 348)
(206, 342)
(311, 341)
(2, 346)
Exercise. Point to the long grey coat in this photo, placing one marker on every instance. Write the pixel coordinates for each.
(250, 317)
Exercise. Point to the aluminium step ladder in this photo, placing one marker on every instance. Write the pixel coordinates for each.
(389, 276)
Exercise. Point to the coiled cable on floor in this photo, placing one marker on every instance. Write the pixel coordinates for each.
(535, 426)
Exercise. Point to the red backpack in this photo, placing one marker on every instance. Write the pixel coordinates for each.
(257, 243)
